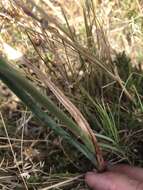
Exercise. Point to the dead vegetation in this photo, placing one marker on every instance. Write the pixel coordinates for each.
(86, 56)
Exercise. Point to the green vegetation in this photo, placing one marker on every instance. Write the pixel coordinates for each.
(80, 89)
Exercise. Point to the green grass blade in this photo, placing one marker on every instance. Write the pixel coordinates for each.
(6, 69)
(106, 119)
(44, 118)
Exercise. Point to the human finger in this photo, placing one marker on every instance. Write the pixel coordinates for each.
(135, 173)
(111, 181)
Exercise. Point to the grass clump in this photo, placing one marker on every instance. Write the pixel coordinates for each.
(72, 77)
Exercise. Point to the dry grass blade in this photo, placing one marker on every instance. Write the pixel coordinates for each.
(71, 108)
(64, 183)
